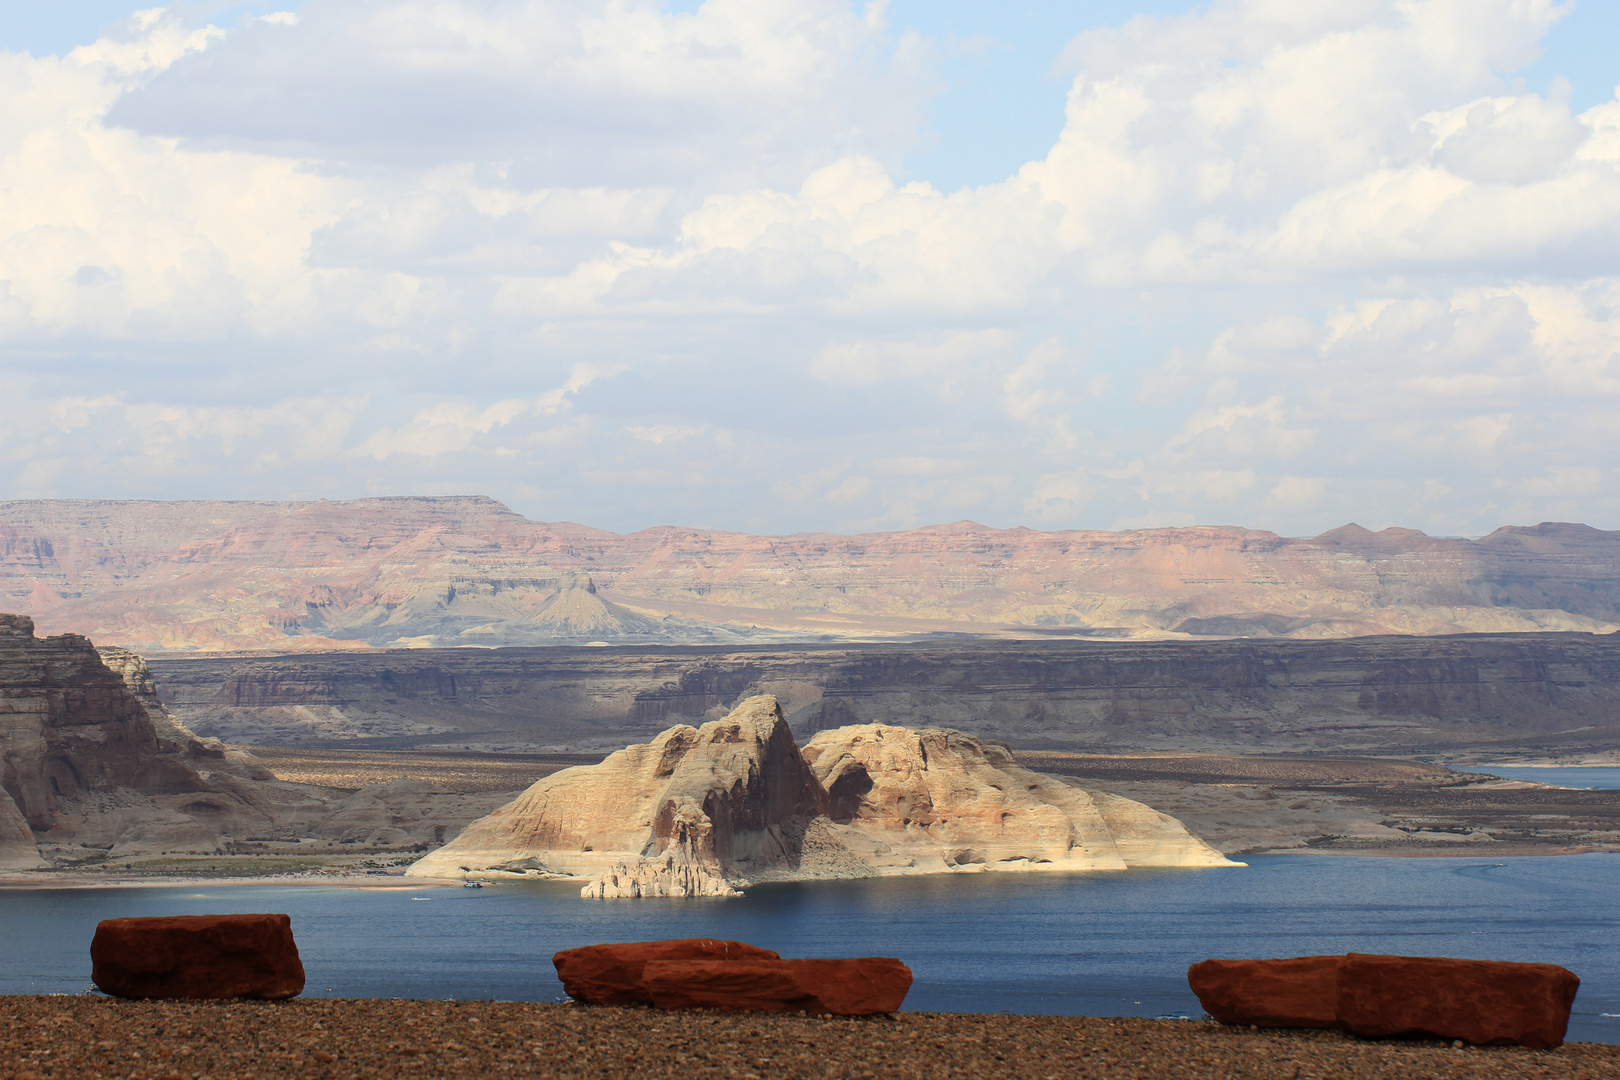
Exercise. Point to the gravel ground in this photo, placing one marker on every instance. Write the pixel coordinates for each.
(89, 1036)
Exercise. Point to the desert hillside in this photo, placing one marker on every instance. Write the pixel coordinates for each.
(469, 571)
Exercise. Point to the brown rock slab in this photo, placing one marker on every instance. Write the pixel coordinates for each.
(859, 987)
(197, 956)
(1297, 993)
(612, 974)
(1485, 1002)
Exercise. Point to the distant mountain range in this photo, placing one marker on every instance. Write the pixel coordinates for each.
(467, 570)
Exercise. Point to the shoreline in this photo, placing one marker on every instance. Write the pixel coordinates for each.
(109, 879)
(1440, 851)
(73, 879)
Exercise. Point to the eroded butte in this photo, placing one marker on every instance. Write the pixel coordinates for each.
(708, 811)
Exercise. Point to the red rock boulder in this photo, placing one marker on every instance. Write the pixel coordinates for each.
(859, 987)
(612, 974)
(1486, 1002)
(1297, 993)
(197, 956)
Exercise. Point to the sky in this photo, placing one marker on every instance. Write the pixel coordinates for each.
(794, 265)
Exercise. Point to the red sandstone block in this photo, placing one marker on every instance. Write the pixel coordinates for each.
(197, 956)
(858, 987)
(612, 974)
(1297, 993)
(1485, 1002)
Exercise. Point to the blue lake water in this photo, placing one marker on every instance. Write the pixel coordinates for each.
(1101, 944)
(1596, 777)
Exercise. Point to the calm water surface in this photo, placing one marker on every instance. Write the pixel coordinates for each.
(1593, 777)
(1101, 944)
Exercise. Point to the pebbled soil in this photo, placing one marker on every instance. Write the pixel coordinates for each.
(82, 1036)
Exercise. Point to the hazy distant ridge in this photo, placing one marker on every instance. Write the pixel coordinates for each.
(467, 570)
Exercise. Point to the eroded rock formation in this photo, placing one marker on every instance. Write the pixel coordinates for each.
(91, 764)
(71, 733)
(935, 800)
(673, 817)
(710, 810)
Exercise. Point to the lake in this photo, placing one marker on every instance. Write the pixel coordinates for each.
(1100, 944)
(1592, 777)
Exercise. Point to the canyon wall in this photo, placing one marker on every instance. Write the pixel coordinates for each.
(469, 571)
(92, 764)
(1380, 693)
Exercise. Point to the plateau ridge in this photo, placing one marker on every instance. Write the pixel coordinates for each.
(447, 571)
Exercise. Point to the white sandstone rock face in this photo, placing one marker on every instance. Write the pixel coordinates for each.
(686, 867)
(687, 814)
(707, 811)
(911, 801)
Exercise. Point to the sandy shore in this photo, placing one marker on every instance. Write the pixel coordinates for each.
(344, 877)
(87, 1036)
(79, 879)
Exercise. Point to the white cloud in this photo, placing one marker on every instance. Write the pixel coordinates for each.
(148, 444)
(659, 434)
(563, 93)
(445, 428)
(579, 377)
(451, 427)
(1284, 262)
(942, 359)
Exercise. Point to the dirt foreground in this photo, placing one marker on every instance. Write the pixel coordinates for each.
(88, 1036)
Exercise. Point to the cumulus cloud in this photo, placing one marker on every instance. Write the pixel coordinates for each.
(163, 447)
(450, 427)
(1503, 394)
(565, 93)
(1286, 265)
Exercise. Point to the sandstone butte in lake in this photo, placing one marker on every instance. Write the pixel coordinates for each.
(707, 811)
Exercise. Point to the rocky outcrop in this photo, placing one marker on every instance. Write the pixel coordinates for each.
(91, 765)
(615, 974)
(1484, 1002)
(701, 973)
(18, 848)
(70, 727)
(684, 815)
(173, 736)
(1301, 992)
(468, 570)
(933, 799)
(865, 986)
(197, 956)
(707, 811)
